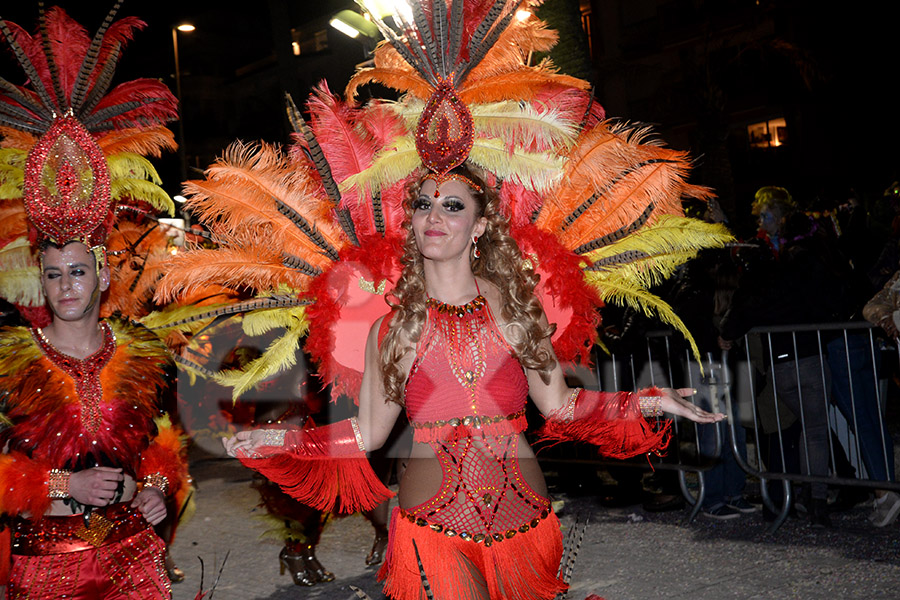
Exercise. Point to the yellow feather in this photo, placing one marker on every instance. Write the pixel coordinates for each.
(279, 356)
(260, 322)
(653, 253)
(129, 165)
(392, 164)
(20, 275)
(538, 171)
(670, 233)
(160, 321)
(616, 289)
(12, 173)
(143, 190)
(522, 124)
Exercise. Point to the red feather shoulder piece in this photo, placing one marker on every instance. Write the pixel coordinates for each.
(52, 422)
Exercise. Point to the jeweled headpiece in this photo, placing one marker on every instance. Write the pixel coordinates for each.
(83, 141)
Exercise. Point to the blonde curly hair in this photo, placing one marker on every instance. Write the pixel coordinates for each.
(500, 263)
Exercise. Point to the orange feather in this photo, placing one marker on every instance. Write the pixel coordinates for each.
(150, 141)
(236, 268)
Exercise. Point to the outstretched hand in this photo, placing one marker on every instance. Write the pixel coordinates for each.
(244, 442)
(673, 402)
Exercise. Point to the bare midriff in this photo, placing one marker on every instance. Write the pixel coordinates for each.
(424, 475)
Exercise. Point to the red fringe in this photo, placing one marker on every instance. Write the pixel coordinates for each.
(426, 435)
(25, 485)
(613, 424)
(524, 567)
(333, 484)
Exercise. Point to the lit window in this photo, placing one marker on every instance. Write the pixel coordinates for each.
(768, 134)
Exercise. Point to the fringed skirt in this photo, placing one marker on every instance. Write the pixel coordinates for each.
(519, 564)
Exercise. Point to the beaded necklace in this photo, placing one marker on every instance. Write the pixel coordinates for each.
(461, 327)
(84, 372)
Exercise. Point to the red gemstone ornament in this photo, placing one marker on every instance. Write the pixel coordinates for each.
(67, 189)
(445, 132)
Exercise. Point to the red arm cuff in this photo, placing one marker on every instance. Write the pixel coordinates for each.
(25, 485)
(610, 421)
(324, 467)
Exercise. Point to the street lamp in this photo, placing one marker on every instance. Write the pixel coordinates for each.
(182, 154)
(353, 24)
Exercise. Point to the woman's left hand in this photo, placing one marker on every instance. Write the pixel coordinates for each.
(673, 402)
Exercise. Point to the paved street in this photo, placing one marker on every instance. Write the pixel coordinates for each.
(627, 553)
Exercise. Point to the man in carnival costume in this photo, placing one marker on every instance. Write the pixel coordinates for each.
(88, 460)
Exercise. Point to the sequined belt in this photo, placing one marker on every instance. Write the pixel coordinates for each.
(479, 538)
(58, 535)
(469, 426)
(474, 421)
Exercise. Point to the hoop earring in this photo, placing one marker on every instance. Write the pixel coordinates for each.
(475, 252)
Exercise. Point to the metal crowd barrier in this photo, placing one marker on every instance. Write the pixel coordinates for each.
(807, 396)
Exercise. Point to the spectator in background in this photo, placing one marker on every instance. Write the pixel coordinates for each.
(877, 448)
(799, 284)
(701, 294)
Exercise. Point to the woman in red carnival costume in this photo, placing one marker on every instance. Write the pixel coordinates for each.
(492, 184)
(88, 459)
(466, 344)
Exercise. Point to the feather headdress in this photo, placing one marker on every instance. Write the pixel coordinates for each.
(594, 204)
(72, 144)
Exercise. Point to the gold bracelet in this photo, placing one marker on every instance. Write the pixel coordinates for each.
(58, 483)
(651, 406)
(158, 481)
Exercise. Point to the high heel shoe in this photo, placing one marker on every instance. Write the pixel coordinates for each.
(376, 555)
(296, 565)
(174, 574)
(315, 569)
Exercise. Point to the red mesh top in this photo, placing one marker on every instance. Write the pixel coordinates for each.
(465, 397)
(463, 367)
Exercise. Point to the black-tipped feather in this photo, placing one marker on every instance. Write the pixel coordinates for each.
(618, 234)
(103, 81)
(623, 258)
(323, 168)
(15, 94)
(482, 49)
(609, 185)
(295, 262)
(439, 27)
(426, 35)
(61, 100)
(98, 120)
(378, 212)
(426, 587)
(20, 114)
(80, 87)
(308, 229)
(241, 307)
(27, 66)
(456, 29)
(478, 38)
